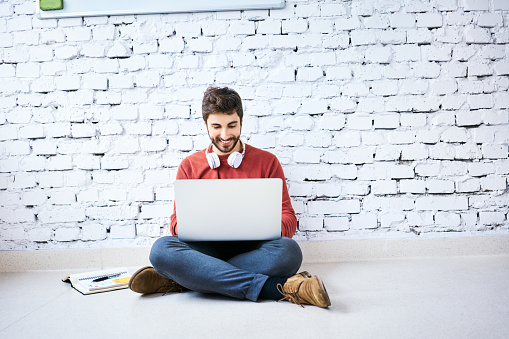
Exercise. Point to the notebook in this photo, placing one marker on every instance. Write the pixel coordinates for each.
(99, 281)
(228, 209)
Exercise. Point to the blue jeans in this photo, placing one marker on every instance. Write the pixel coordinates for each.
(236, 269)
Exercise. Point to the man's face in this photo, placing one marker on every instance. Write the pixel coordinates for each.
(224, 132)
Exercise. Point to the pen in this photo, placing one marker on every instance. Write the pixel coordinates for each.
(106, 277)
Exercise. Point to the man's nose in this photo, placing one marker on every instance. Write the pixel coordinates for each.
(224, 134)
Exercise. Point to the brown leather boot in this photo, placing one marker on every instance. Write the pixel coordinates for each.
(147, 280)
(299, 276)
(303, 290)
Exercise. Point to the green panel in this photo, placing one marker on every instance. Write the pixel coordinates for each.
(50, 5)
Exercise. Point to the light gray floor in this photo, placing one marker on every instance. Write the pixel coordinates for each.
(459, 297)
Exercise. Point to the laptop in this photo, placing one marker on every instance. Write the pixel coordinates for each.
(228, 209)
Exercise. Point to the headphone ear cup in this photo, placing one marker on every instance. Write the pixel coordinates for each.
(213, 160)
(235, 159)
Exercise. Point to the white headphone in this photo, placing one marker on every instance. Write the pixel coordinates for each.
(234, 160)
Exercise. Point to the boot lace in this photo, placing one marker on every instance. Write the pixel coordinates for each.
(171, 286)
(291, 296)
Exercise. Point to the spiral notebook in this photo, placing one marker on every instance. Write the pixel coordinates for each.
(99, 281)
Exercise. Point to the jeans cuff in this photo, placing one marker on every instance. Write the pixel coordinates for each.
(256, 287)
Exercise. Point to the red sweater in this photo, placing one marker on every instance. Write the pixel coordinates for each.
(256, 163)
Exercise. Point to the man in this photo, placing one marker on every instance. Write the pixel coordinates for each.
(250, 270)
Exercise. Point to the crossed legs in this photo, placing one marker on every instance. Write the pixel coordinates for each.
(235, 269)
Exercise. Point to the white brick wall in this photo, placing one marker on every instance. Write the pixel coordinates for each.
(388, 116)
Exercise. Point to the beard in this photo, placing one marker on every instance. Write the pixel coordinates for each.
(225, 149)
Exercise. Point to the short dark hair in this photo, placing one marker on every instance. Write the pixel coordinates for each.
(221, 100)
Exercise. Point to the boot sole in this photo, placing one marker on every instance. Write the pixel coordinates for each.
(135, 274)
(324, 291)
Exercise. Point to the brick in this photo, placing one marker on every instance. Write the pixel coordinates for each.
(321, 26)
(336, 223)
(309, 73)
(477, 36)
(468, 152)
(34, 197)
(364, 221)
(388, 204)
(493, 183)
(88, 195)
(13, 233)
(500, 5)
(112, 213)
(8, 132)
(359, 122)
(332, 122)
(360, 8)
(412, 186)
(310, 224)
(27, 70)
(420, 219)
(489, 20)
(402, 20)
(401, 172)
(394, 37)
(62, 215)
(50, 180)
(124, 112)
(344, 171)
(429, 20)
(362, 37)
(335, 157)
(309, 156)
(114, 163)
(447, 219)
(401, 137)
(495, 151)
(468, 185)
(62, 198)
(93, 232)
(388, 153)
(123, 231)
(355, 188)
(23, 180)
(334, 207)
(468, 118)
(19, 215)
(361, 155)
(477, 169)
(15, 147)
(39, 234)
(476, 5)
(242, 27)
(318, 140)
(437, 186)
(82, 131)
(294, 26)
(155, 211)
(501, 100)
(308, 172)
(441, 203)
(68, 83)
(333, 10)
(152, 230)
(492, 218)
(392, 220)
(386, 121)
